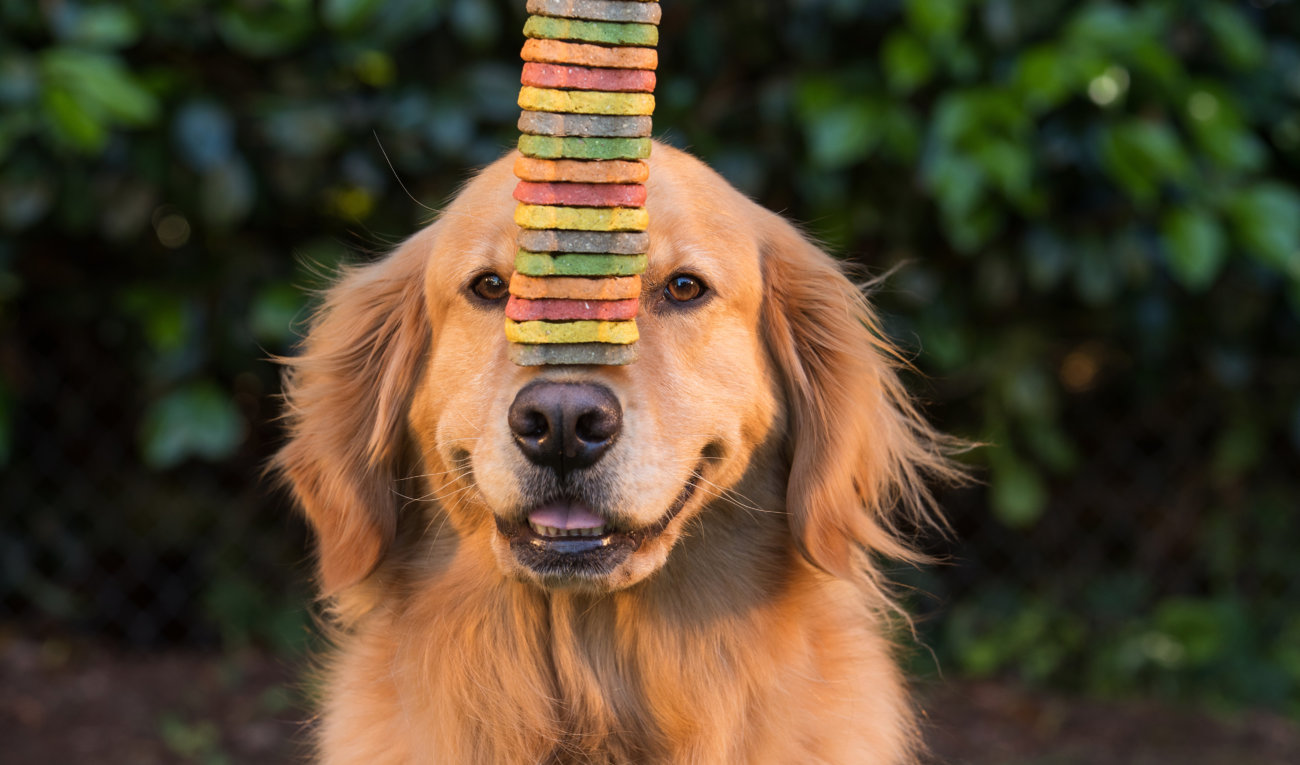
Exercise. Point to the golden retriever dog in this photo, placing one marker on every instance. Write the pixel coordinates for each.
(675, 561)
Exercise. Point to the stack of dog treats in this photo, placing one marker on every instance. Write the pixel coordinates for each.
(587, 96)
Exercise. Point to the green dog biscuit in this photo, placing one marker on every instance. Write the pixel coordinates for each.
(587, 125)
(598, 10)
(603, 32)
(533, 355)
(546, 264)
(550, 147)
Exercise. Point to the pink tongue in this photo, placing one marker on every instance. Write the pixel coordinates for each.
(565, 516)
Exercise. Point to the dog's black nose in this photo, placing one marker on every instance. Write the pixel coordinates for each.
(565, 426)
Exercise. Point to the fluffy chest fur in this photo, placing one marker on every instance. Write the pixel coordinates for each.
(801, 678)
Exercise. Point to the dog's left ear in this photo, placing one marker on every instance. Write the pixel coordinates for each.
(860, 450)
(346, 397)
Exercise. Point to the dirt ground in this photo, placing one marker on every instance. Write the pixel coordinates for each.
(68, 702)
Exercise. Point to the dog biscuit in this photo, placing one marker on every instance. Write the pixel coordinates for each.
(594, 242)
(587, 94)
(573, 171)
(533, 355)
(603, 32)
(585, 101)
(582, 218)
(559, 52)
(585, 125)
(551, 147)
(575, 288)
(618, 332)
(637, 11)
(587, 78)
(521, 309)
(581, 194)
(545, 264)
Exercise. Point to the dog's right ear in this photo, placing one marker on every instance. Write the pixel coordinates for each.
(346, 396)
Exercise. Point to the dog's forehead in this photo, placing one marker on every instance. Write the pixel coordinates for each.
(698, 223)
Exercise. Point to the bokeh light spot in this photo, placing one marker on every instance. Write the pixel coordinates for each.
(1079, 369)
(1109, 86)
(171, 228)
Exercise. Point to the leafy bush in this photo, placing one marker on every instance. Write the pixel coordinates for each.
(1096, 204)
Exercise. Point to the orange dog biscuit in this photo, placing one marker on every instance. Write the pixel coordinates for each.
(580, 171)
(575, 288)
(582, 54)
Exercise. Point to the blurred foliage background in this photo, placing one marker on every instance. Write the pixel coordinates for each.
(1096, 207)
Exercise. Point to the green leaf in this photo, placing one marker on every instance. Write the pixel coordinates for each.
(1010, 166)
(1266, 221)
(198, 420)
(844, 134)
(164, 317)
(1043, 76)
(97, 26)
(1099, 25)
(1141, 155)
(958, 183)
(936, 19)
(906, 62)
(1196, 627)
(1017, 492)
(349, 15)
(1235, 37)
(266, 29)
(274, 312)
(72, 121)
(101, 86)
(1051, 445)
(1195, 246)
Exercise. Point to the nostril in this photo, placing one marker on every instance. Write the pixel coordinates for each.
(533, 424)
(596, 427)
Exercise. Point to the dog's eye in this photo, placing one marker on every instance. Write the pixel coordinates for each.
(490, 287)
(684, 288)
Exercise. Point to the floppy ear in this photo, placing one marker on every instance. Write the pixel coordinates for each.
(860, 450)
(346, 396)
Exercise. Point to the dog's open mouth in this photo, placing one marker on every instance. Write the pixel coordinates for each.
(563, 538)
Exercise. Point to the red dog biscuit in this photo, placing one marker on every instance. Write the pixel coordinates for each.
(587, 78)
(581, 194)
(521, 309)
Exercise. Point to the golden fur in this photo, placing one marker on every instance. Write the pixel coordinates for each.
(752, 630)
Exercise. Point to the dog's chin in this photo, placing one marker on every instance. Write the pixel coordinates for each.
(563, 545)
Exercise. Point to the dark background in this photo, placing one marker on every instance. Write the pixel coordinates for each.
(1090, 212)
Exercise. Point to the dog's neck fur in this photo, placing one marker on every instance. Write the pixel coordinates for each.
(592, 677)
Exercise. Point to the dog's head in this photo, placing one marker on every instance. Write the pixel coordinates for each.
(761, 381)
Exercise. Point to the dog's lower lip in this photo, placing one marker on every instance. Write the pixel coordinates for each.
(557, 552)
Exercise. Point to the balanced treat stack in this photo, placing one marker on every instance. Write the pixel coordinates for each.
(587, 96)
